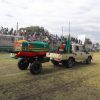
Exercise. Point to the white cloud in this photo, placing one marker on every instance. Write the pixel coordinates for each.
(53, 14)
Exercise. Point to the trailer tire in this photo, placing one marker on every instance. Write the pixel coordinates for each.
(70, 63)
(23, 64)
(54, 62)
(36, 67)
(88, 61)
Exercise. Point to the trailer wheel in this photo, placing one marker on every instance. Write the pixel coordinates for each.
(88, 61)
(23, 64)
(55, 62)
(36, 67)
(70, 63)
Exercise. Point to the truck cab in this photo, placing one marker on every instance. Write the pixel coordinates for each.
(80, 53)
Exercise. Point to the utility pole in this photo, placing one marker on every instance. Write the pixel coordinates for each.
(69, 27)
(17, 29)
(62, 31)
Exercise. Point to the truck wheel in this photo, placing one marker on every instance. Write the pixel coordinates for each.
(36, 67)
(88, 61)
(55, 62)
(70, 63)
(23, 64)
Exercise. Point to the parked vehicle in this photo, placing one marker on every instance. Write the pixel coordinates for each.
(7, 42)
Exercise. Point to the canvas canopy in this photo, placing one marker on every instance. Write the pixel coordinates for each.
(35, 46)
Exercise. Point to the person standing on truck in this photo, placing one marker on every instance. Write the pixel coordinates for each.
(62, 48)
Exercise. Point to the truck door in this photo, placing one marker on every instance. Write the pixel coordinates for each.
(84, 55)
(78, 53)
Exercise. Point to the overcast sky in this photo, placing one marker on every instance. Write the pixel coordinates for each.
(84, 15)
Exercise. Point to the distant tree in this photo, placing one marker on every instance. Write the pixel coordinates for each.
(97, 45)
(88, 41)
(33, 29)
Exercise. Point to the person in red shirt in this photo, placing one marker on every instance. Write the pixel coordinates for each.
(61, 48)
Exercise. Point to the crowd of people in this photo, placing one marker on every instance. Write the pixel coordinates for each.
(7, 31)
(53, 40)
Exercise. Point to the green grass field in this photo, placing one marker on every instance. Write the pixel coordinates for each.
(82, 82)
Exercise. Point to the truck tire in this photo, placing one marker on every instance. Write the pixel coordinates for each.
(23, 64)
(36, 67)
(55, 62)
(88, 61)
(70, 63)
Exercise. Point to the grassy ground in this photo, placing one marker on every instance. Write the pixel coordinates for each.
(54, 83)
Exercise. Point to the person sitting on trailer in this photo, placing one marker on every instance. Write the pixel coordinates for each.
(62, 48)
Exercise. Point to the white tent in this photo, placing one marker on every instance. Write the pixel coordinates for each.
(82, 38)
